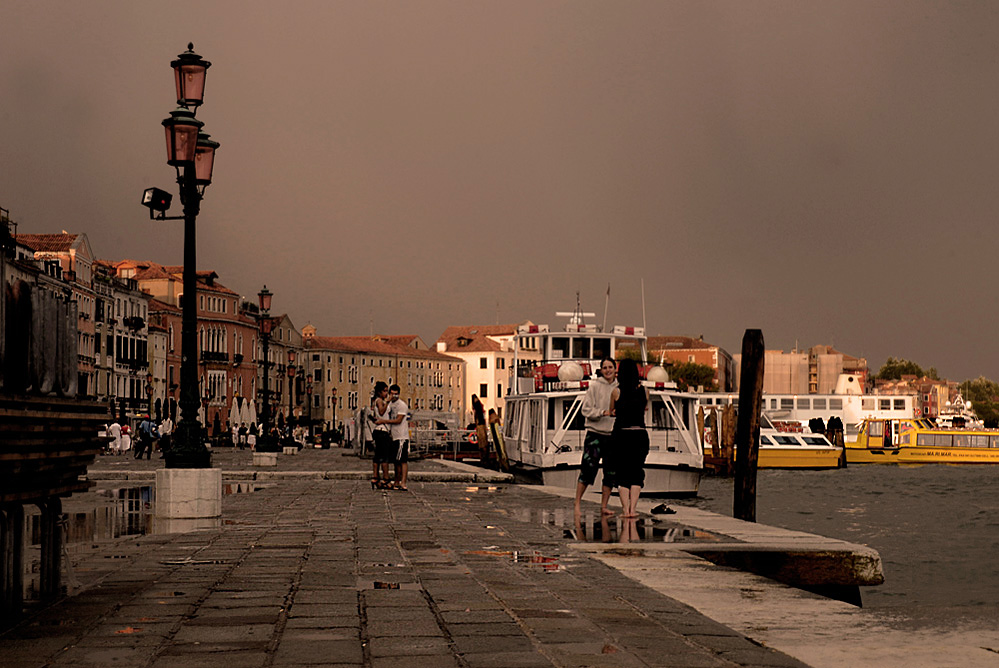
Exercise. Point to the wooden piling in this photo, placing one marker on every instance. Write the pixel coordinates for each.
(748, 432)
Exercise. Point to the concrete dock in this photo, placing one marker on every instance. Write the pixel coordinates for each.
(315, 568)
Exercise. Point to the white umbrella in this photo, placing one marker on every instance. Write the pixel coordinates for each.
(252, 416)
(234, 411)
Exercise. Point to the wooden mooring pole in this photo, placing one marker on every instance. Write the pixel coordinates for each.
(747, 437)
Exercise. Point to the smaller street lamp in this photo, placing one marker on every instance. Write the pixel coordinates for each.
(292, 372)
(266, 325)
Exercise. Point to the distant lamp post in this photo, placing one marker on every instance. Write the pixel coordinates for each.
(291, 381)
(266, 324)
(192, 153)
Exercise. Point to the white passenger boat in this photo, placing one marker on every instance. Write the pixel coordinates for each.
(847, 403)
(543, 427)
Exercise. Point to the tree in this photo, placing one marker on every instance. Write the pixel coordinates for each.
(894, 369)
(984, 397)
(691, 375)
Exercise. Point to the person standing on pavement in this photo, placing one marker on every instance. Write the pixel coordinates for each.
(166, 429)
(597, 442)
(114, 438)
(398, 411)
(381, 435)
(629, 401)
(479, 417)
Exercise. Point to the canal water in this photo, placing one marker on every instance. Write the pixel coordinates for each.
(936, 528)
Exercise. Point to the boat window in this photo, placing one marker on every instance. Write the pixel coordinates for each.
(560, 347)
(804, 403)
(962, 440)
(601, 348)
(835, 404)
(867, 404)
(786, 440)
(876, 429)
(581, 348)
(994, 441)
(815, 440)
(884, 404)
(773, 404)
(979, 440)
(786, 404)
(819, 404)
(934, 440)
(560, 407)
(765, 440)
(513, 420)
(900, 404)
(661, 419)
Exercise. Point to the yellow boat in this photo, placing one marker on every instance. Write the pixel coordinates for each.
(920, 441)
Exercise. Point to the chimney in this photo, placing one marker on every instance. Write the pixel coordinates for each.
(442, 346)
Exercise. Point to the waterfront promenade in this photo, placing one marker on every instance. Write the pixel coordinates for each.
(311, 571)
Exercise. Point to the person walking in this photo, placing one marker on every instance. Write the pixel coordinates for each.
(145, 438)
(628, 404)
(597, 442)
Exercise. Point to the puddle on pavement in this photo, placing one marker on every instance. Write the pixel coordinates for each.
(529, 558)
(107, 514)
(384, 584)
(595, 528)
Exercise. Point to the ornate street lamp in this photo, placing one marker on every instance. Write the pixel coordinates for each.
(192, 154)
(291, 380)
(266, 324)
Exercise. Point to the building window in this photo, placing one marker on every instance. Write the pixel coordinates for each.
(483, 362)
(483, 391)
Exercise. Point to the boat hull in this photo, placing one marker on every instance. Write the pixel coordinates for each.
(921, 455)
(800, 458)
(659, 481)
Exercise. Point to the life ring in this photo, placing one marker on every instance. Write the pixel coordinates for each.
(472, 438)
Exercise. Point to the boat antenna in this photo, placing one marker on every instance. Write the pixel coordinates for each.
(645, 351)
(643, 305)
(603, 328)
(575, 317)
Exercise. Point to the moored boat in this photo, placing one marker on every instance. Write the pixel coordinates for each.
(921, 441)
(544, 430)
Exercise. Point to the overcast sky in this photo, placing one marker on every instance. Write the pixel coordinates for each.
(824, 171)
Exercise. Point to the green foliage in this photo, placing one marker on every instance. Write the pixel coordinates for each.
(894, 369)
(984, 397)
(689, 375)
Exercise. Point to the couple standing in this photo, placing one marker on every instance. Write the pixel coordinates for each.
(391, 436)
(614, 409)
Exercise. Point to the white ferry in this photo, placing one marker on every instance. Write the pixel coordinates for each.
(543, 429)
(847, 403)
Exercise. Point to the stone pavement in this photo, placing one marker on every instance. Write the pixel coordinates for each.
(332, 573)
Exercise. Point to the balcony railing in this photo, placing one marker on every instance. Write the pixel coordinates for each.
(213, 356)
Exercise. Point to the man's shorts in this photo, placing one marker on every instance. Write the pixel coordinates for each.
(383, 447)
(401, 451)
(594, 446)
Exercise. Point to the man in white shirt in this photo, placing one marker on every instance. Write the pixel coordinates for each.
(398, 413)
(114, 437)
(166, 429)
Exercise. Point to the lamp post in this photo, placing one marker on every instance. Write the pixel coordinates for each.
(264, 297)
(192, 154)
(291, 381)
